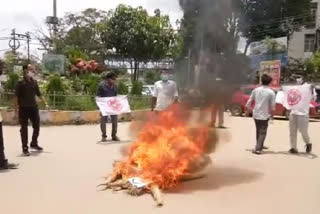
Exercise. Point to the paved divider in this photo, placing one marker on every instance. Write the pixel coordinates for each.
(50, 117)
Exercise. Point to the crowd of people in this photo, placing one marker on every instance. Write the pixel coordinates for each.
(165, 94)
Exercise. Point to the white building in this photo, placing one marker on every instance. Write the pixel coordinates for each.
(304, 42)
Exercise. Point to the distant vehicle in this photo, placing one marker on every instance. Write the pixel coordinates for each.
(317, 89)
(241, 97)
(147, 90)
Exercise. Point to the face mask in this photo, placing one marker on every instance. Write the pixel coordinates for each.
(300, 81)
(164, 77)
(30, 74)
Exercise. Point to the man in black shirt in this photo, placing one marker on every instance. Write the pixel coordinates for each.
(3, 161)
(26, 92)
(108, 89)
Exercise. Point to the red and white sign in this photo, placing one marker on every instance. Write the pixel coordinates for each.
(294, 97)
(297, 97)
(113, 105)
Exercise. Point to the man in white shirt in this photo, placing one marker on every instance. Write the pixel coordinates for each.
(3, 161)
(299, 116)
(264, 100)
(165, 93)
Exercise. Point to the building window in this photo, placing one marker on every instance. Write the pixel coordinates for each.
(309, 43)
(314, 11)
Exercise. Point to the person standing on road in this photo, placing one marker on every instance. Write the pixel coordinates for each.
(108, 89)
(218, 108)
(165, 93)
(26, 92)
(3, 161)
(299, 118)
(264, 100)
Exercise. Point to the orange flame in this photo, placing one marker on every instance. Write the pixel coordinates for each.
(164, 150)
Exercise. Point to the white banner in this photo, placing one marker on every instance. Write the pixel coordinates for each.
(113, 105)
(297, 97)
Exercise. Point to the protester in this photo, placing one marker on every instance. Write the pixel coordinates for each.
(218, 107)
(165, 93)
(26, 91)
(299, 115)
(3, 161)
(264, 106)
(108, 89)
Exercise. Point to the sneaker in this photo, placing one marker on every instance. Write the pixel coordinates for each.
(257, 152)
(26, 152)
(309, 148)
(36, 147)
(3, 164)
(222, 127)
(103, 139)
(12, 166)
(115, 138)
(293, 151)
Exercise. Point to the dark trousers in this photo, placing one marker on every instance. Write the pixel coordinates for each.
(103, 125)
(26, 114)
(2, 156)
(261, 132)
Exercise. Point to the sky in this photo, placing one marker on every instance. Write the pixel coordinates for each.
(29, 15)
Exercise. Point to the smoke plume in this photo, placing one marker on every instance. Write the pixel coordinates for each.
(211, 36)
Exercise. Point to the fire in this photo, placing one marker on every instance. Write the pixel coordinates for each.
(165, 150)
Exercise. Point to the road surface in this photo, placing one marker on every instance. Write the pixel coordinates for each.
(63, 179)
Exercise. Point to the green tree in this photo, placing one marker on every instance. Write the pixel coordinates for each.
(82, 32)
(72, 53)
(210, 25)
(273, 18)
(139, 37)
(151, 77)
(274, 47)
(312, 65)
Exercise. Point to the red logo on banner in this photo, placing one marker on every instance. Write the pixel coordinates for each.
(114, 104)
(294, 97)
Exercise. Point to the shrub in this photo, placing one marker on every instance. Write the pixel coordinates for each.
(122, 88)
(137, 103)
(12, 82)
(56, 85)
(91, 83)
(80, 103)
(137, 88)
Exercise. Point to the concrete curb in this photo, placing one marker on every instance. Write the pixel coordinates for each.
(54, 117)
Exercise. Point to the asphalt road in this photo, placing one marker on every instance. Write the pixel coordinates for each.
(63, 179)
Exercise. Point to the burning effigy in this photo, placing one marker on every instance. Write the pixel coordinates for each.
(166, 152)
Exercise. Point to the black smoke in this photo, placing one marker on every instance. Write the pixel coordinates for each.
(211, 35)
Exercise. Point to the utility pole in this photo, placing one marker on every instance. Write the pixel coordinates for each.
(55, 17)
(14, 42)
(28, 46)
(53, 20)
(14, 39)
